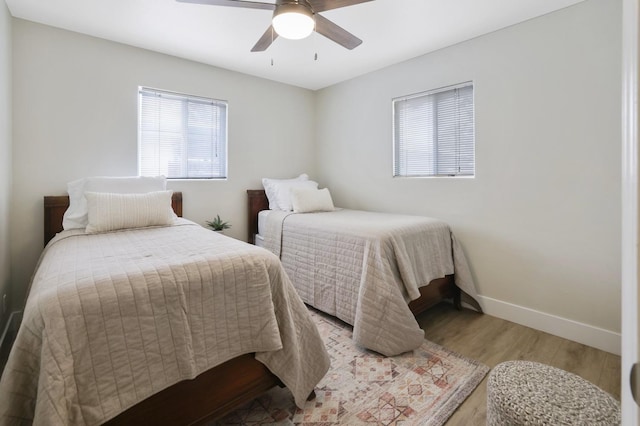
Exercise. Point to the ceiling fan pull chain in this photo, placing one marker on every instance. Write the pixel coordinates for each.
(272, 43)
(315, 40)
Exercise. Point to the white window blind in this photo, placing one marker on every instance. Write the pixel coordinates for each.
(434, 133)
(180, 136)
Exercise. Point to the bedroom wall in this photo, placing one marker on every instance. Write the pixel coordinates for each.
(75, 115)
(540, 222)
(5, 159)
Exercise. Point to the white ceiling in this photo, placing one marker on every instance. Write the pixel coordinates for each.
(391, 30)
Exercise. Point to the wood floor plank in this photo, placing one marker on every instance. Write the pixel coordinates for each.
(475, 412)
(580, 359)
(491, 341)
(539, 346)
(610, 376)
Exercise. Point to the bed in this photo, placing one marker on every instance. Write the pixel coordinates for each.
(374, 279)
(159, 353)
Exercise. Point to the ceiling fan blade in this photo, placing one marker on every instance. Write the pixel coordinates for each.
(266, 40)
(322, 5)
(336, 33)
(233, 3)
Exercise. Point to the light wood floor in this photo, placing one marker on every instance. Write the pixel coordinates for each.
(492, 340)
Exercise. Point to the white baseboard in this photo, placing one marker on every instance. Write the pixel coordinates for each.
(586, 334)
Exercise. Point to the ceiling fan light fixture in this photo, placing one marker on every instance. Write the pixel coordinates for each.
(293, 21)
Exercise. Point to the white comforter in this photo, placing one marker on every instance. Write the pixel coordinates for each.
(365, 267)
(114, 318)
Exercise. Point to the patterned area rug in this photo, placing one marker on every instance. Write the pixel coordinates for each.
(423, 387)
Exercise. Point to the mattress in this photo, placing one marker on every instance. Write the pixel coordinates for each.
(262, 220)
(113, 318)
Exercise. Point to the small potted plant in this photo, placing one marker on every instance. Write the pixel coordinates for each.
(218, 224)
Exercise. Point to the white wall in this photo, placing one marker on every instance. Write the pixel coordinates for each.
(540, 222)
(75, 115)
(5, 155)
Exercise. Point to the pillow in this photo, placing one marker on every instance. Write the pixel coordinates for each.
(278, 190)
(110, 211)
(311, 200)
(76, 214)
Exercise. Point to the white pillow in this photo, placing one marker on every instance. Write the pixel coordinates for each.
(279, 190)
(109, 211)
(76, 214)
(311, 200)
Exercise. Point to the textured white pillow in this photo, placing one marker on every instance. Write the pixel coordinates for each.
(311, 200)
(110, 211)
(279, 190)
(76, 214)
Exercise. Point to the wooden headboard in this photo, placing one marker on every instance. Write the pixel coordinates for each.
(56, 205)
(257, 202)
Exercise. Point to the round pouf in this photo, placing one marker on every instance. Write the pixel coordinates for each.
(530, 393)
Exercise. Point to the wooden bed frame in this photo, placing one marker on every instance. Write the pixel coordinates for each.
(430, 295)
(211, 395)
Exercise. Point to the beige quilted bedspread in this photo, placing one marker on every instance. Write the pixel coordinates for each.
(114, 318)
(364, 268)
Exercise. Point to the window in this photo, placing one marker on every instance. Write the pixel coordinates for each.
(180, 136)
(433, 133)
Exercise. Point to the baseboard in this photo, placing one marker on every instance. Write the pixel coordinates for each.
(586, 334)
(8, 336)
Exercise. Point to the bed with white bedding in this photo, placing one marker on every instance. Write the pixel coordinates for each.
(113, 318)
(366, 268)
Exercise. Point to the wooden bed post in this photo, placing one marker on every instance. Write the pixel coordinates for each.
(257, 202)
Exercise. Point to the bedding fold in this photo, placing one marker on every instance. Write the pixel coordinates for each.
(365, 267)
(113, 318)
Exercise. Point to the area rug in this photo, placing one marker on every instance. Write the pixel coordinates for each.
(422, 387)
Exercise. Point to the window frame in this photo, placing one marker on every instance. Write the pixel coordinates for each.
(396, 173)
(222, 150)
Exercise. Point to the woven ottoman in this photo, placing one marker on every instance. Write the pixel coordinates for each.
(530, 393)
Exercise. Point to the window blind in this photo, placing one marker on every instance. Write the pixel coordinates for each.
(434, 133)
(181, 136)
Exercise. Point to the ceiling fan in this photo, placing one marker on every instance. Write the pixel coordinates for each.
(295, 19)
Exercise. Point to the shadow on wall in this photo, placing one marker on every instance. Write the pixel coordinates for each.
(8, 337)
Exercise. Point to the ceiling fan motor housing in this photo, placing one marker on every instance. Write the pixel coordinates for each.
(293, 19)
